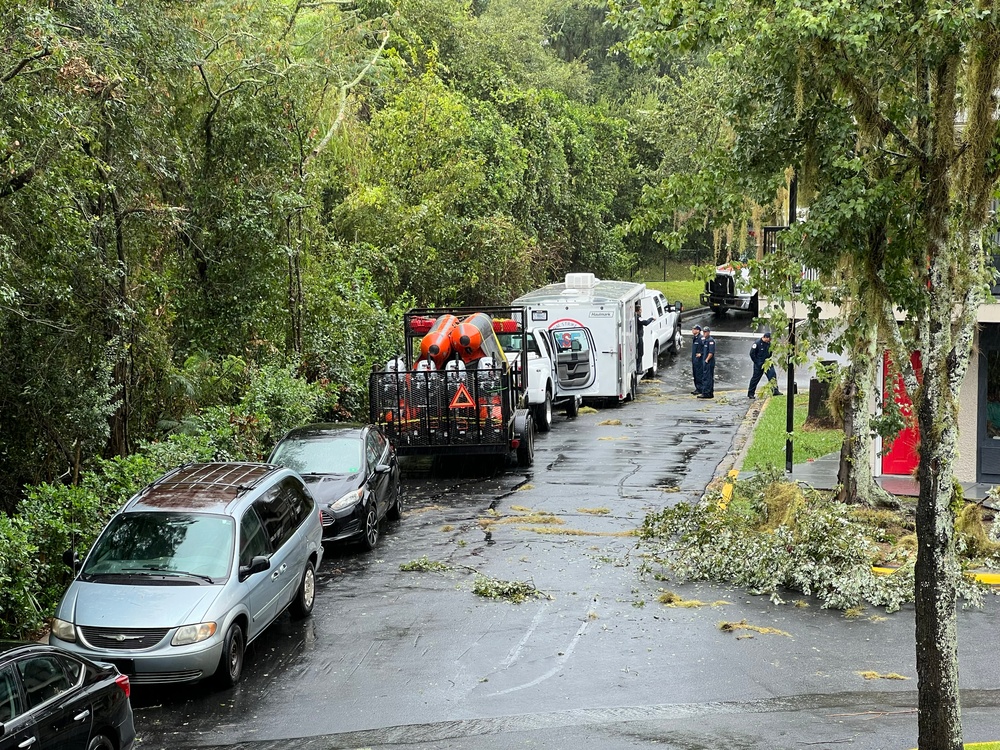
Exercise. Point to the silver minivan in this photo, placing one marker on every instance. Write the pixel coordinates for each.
(192, 569)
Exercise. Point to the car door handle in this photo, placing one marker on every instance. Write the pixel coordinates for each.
(278, 572)
(82, 715)
(28, 742)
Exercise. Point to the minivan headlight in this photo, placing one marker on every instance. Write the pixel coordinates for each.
(193, 633)
(351, 498)
(63, 630)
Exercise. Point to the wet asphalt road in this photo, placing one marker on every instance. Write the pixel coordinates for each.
(416, 660)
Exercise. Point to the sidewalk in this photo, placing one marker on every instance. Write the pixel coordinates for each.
(821, 474)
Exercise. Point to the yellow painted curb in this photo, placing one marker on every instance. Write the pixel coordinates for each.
(727, 489)
(990, 579)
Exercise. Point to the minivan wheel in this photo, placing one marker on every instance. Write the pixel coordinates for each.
(231, 664)
(370, 537)
(101, 742)
(302, 606)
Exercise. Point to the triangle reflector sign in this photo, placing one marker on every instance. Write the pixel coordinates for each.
(462, 399)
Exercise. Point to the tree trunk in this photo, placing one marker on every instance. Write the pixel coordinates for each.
(945, 342)
(855, 476)
(940, 720)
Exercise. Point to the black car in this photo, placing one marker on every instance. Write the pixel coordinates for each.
(52, 700)
(352, 473)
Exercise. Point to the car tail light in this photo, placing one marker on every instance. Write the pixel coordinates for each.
(122, 682)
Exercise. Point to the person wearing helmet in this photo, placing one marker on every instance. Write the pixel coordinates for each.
(696, 359)
(708, 364)
(760, 354)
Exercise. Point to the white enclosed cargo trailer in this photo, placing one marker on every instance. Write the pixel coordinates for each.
(607, 310)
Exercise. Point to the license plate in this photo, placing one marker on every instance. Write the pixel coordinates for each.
(125, 666)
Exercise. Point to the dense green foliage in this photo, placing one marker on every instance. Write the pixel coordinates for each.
(213, 213)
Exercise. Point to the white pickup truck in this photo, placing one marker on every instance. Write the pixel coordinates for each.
(664, 333)
(560, 366)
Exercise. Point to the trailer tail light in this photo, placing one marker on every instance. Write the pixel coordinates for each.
(515, 443)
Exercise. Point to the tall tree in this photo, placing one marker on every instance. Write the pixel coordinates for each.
(916, 84)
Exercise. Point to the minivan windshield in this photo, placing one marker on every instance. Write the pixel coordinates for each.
(193, 547)
(321, 455)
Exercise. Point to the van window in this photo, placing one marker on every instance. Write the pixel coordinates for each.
(252, 539)
(276, 516)
(298, 499)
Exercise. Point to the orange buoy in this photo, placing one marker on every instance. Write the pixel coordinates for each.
(436, 345)
(474, 339)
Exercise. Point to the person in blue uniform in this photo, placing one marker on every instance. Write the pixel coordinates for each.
(760, 352)
(696, 359)
(708, 364)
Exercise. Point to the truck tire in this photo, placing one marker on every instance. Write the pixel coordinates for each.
(656, 361)
(755, 305)
(573, 408)
(677, 340)
(524, 431)
(543, 413)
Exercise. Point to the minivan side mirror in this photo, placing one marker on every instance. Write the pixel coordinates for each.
(72, 560)
(258, 564)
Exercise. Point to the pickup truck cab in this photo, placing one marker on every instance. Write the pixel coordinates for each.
(560, 364)
(664, 333)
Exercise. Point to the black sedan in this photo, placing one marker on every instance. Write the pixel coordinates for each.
(351, 471)
(52, 700)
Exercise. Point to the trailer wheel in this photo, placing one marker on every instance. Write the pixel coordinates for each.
(573, 407)
(630, 396)
(524, 431)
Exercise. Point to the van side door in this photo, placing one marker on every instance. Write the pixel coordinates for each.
(276, 516)
(259, 594)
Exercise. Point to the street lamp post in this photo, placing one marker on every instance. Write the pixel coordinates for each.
(790, 385)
